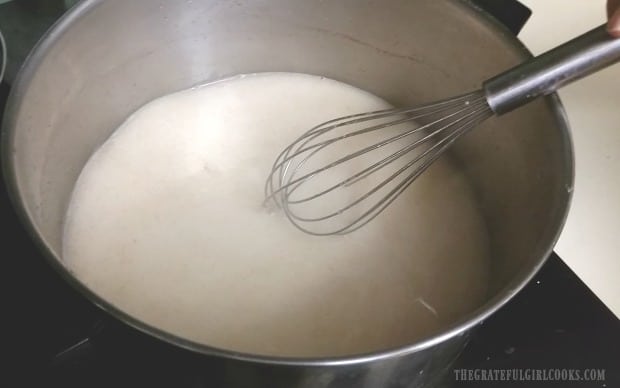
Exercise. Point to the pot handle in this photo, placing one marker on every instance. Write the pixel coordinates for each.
(548, 72)
(511, 13)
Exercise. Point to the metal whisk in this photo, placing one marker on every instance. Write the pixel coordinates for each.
(343, 173)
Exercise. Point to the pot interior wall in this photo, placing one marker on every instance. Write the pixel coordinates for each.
(99, 67)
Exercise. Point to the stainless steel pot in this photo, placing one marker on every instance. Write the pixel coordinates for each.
(104, 59)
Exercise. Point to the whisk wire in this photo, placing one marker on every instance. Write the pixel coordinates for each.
(287, 157)
(377, 187)
(382, 205)
(330, 125)
(366, 172)
(441, 124)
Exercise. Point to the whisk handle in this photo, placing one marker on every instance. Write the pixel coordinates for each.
(548, 72)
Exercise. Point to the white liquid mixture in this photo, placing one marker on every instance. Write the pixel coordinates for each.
(166, 223)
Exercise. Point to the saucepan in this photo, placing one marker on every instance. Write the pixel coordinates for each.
(104, 59)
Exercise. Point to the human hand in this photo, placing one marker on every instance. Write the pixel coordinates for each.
(613, 13)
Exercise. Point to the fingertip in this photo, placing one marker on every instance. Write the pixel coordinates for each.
(614, 32)
(613, 26)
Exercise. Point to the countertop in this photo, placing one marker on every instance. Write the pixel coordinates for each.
(590, 243)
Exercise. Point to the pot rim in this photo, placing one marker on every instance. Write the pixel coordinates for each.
(3, 56)
(458, 328)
